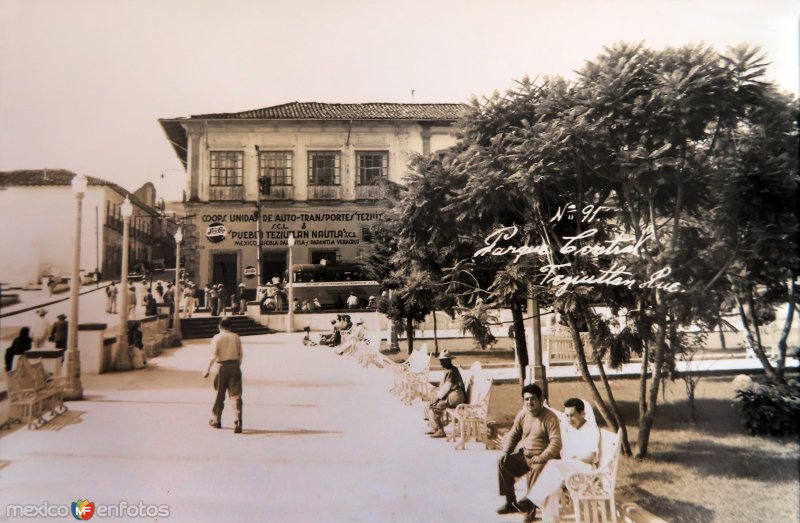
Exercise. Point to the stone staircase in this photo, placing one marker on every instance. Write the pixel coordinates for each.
(207, 327)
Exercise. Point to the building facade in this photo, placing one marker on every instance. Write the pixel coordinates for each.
(309, 170)
(39, 233)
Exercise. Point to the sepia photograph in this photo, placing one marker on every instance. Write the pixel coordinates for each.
(400, 262)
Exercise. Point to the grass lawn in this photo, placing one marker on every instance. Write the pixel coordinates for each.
(708, 471)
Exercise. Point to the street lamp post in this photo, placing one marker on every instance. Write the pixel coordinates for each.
(73, 389)
(176, 322)
(290, 316)
(123, 360)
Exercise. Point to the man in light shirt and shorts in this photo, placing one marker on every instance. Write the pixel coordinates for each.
(227, 347)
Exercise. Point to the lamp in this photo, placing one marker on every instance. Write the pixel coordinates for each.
(290, 315)
(73, 389)
(123, 359)
(176, 322)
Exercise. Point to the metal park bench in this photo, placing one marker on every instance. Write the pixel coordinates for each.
(469, 419)
(34, 394)
(411, 376)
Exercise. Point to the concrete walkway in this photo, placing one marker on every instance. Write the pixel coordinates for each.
(324, 440)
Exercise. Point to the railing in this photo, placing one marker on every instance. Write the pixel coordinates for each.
(324, 192)
(370, 192)
(279, 192)
(226, 193)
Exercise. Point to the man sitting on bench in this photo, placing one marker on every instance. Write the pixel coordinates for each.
(579, 453)
(537, 429)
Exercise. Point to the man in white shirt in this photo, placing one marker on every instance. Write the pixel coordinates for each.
(40, 329)
(578, 454)
(352, 301)
(228, 354)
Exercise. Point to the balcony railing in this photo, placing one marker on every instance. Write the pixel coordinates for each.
(226, 193)
(324, 192)
(279, 192)
(370, 192)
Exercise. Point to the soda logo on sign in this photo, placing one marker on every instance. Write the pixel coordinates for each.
(249, 272)
(216, 232)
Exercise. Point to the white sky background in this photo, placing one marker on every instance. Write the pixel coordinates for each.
(82, 82)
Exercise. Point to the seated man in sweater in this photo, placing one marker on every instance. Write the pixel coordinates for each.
(536, 430)
(579, 454)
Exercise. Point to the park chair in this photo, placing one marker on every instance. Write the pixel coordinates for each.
(592, 493)
(420, 354)
(33, 393)
(469, 419)
(368, 350)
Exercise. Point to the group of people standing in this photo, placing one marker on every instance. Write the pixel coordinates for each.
(40, 333)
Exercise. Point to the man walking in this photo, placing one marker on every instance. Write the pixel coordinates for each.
(537, 431)
(228, 355)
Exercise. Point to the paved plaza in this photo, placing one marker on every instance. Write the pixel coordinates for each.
(323, 440)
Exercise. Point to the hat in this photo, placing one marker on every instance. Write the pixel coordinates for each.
(62, 316)
(444, 355)
(241, 285)
(41, 312)
(360, 320)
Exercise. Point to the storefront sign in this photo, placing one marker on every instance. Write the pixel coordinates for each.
(216, 232)
(249, 272)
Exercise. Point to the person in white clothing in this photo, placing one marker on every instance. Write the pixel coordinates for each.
(578, 454)
(40, 329)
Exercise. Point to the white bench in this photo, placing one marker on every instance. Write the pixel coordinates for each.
(469, 419)
(411, 376)
(368, 350)
(589, 496)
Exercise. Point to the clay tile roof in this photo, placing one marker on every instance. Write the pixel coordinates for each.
(55, 177)
(362, 111)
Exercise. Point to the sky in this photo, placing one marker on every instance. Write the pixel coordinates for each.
(83, 82)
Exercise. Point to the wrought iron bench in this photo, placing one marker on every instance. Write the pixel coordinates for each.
(34, 394)
(469, 419)
(411, 376)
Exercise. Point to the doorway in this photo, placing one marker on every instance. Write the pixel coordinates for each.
(273, 263)
(224, 270)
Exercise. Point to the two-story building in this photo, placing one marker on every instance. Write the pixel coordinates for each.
(309, 170)
(37, 236)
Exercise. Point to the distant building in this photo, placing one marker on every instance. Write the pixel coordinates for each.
(312, 169)
(39, 224)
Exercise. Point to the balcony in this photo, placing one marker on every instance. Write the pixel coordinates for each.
(279, 192)
(226, 193)
(370, 192)
(324, 192)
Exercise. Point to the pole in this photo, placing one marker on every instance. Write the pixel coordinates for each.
(539, 370)
(73, 390)
(176, 322)
(290, 315)
(258, 244)
(123, 359)
(97, 240)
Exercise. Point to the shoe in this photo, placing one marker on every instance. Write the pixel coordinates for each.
(430, 432)
(525, 505)
(531, 516)
(215, 424)
(237, 429)
(508, 508)
(439, 434)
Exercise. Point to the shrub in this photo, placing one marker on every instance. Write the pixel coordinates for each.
(771, 409)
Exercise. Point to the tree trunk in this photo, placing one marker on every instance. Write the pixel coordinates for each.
(520, 343)
(787, 326)
(410, 333)
(620, 423)
(646, 420)
(583, 366)
(435, 335)
(722, 335)
(756, 348)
